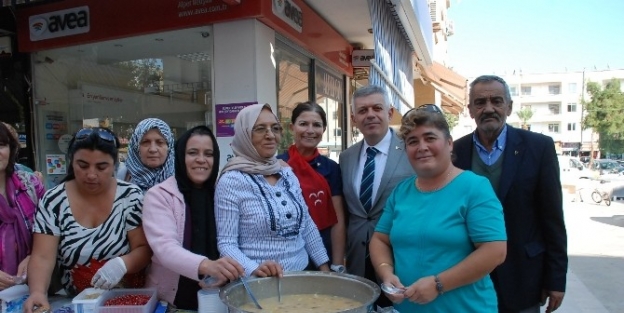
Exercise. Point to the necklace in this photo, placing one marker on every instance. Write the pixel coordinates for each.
(444, 182)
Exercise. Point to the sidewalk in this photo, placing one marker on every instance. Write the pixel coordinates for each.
(578, 299)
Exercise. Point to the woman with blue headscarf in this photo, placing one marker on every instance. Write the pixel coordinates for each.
(150, 158)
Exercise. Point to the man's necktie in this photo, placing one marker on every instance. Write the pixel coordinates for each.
(368, 177)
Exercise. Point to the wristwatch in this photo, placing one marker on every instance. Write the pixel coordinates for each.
(439, 286)
(337, 268)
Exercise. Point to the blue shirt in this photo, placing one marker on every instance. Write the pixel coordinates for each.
(486, 156)
(327, 167)
(431, 232)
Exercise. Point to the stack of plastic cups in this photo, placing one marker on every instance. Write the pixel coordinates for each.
(208, 299)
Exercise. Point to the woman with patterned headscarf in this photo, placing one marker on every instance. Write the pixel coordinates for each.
(263, 221)
(150, 154)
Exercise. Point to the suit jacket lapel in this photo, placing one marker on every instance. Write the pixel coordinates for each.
(351, 170)
(395, 153)
(463, 153)
(513, 154)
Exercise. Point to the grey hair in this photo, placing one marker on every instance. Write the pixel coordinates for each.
(371, 90)
(488, 79)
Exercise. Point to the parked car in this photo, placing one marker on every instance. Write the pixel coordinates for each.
(571, 169)
(600, 167)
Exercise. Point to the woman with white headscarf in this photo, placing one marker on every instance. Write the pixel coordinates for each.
(262, 218)
(150, 154)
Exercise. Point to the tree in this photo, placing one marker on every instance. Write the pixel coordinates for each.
(525, 115)
(451, 119)
(605, 115)
(145, 73)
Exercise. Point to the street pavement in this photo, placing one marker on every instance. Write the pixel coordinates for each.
(596, 256)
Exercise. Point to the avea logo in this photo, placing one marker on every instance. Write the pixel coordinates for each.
(289, 12)
(279, 4)
(68, 21)
(60, 23)
(38, 26)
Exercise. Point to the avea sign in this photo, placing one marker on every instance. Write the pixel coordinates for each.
(289, 12)
(59, 23)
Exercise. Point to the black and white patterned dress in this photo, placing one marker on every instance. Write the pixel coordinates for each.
(79, 245)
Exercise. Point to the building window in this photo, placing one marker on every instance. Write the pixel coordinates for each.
(554, 89)
(572, 88)
(571, 126)
(526, 90)
(513, 91)
(553, 128)
(571, 107)
(554, 108)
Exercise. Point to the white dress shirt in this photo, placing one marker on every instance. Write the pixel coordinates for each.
(380, 163)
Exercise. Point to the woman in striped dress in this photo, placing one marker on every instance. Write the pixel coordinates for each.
(262, 219)
(90, 224)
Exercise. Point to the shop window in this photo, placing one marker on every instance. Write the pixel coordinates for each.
(295, 84)
(117, 84)
(293, 71)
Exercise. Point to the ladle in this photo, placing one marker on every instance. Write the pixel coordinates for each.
(251, 295)
(279, 289)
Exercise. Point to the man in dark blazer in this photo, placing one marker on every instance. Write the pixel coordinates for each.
(523, 169)
(371, 113)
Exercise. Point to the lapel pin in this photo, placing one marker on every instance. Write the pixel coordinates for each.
(397, 148)
(516, 152)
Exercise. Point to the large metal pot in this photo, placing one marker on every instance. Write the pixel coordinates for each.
(294, 283)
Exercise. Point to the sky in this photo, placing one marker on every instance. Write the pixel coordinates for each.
(535, 36)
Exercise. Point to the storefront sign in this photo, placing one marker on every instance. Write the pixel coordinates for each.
(188, 8)
(362, 57)
(56, 164)
(225, 115)
(59, 23)
(289, 12)
(329, 85)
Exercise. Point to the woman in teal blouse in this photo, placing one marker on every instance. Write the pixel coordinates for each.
(442, 231)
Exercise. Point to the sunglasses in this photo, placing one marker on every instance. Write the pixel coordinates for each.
(425, 107)
(103, 133)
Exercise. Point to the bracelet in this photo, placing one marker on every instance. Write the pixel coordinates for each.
(384, 264)
(439, 286)
(337, 268)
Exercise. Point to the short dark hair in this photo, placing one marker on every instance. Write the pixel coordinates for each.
(7, 138)
(418, 118)
(487, 79)
(308, 106)
(91, 142)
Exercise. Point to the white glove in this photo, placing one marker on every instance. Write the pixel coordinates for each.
(110, 274)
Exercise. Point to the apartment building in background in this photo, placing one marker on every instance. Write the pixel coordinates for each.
(556, 102)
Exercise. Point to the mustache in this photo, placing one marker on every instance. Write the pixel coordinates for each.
(490, 115)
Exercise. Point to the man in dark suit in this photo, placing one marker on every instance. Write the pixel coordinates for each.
(523, 169)
(371, 113)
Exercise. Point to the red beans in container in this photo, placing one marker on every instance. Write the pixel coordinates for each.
(141, 300)
(128, 300)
